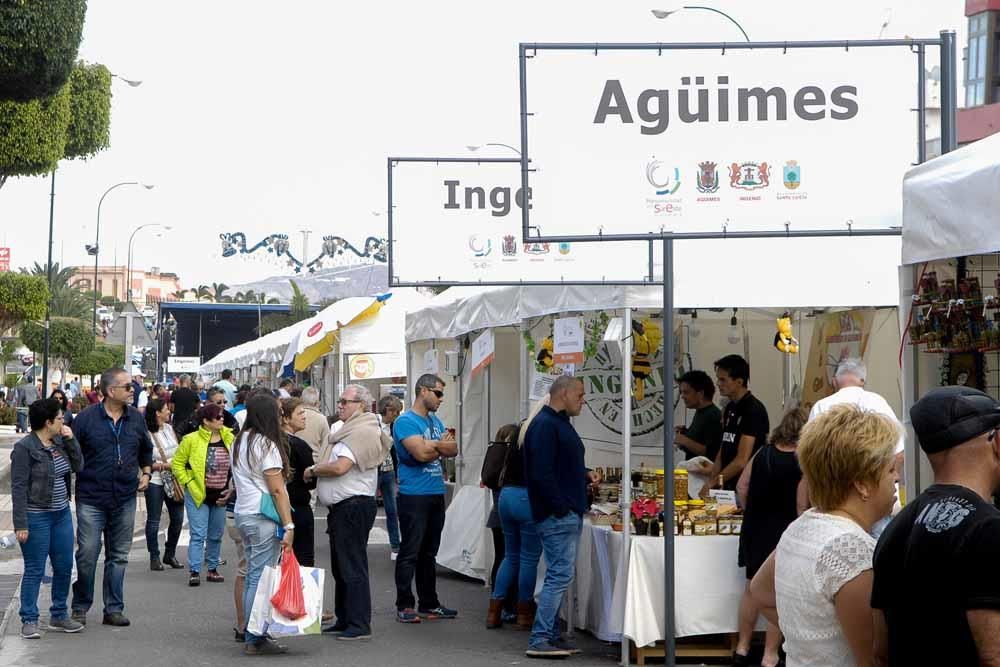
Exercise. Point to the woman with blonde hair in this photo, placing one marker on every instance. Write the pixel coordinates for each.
(817, 584)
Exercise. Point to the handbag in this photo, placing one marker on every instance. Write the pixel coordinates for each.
(171, 487)
(267, 506)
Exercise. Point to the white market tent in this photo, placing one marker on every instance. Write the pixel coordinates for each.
(950, 209)
(500, 394)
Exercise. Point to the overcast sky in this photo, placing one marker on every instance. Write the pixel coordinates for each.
(263, 117)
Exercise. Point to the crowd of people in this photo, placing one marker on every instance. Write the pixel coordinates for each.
(827, 565)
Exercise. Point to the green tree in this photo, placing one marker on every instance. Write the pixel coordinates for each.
(22, 297)
(69, 340)
(73, 123)
(38, 44)
(273, 301)
(203, 292)
(219, 291)
(300, 309)
(67, 301)
(89, 130)
(100, 359)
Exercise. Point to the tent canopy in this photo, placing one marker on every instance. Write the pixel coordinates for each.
(950, 204)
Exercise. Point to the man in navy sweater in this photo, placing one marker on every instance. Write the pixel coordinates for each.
(557, 482)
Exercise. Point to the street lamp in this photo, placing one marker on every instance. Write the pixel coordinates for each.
(131, 82)
(476, 148)
(128, 278)
(95, 249)
(665, 13)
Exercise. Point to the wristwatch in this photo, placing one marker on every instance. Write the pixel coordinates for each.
(289, 526)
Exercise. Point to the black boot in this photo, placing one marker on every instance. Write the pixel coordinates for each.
(173, 562)
(155, 565)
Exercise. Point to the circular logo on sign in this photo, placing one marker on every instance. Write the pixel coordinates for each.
(602, 380)
(362, 367)
(314, 329)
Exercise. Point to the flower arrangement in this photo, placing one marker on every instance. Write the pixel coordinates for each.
(645, 507)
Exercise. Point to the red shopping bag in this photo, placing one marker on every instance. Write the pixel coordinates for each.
(288, 600)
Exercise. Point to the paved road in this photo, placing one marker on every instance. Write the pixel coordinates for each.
(173, 625)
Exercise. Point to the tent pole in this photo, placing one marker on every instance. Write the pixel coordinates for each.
(461, 409)
(524, 369)
(669, 658)
(626, 495)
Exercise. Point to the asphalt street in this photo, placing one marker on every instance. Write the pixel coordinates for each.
(174, 625)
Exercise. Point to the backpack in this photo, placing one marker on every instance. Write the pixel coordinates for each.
(495, 463)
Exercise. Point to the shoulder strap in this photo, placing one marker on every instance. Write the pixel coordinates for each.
(163, 454)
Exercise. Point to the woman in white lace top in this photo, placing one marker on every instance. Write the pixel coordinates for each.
(819, 578)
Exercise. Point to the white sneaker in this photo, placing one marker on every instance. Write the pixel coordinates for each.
(393, 554)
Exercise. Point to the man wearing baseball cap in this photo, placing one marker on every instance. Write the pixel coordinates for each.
(936, 588)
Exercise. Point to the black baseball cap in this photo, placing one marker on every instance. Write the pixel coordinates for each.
(948, 416)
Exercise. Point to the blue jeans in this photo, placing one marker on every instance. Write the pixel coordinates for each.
(50, 535)
(207, 524)
(261, 546)
(560, 538)
(155, 499)
(116, 526)
(387, 485)
(522, 548)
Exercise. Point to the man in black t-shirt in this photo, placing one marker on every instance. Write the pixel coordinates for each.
(184, 400)
(704, 435)
(745, 424)
(936, 586)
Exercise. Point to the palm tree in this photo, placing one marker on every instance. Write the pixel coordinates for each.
(299, 304)
(67, 301)
(219, 291)
(274, 301)
(204, 292)
(249, 296)
(179, 294)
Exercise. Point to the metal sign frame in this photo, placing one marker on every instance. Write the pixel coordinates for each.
(391, 163)
(946, 42)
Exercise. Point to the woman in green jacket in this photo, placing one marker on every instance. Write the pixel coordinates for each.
(201, 466)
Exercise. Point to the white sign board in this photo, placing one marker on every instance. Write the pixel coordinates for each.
(431, 361)
(692, 141)
(383, 365)
(183, 364)
(482, 351)
(567, 340)
(461, 223)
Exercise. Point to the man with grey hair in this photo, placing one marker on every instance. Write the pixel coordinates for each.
(849, 379)
(317, 429)
(347, 474)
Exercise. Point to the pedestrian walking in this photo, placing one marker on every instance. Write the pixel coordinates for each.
(317, 428)
(228, 388)
(162, 490)
(817, 585)
(421, 441)
(41, 465)
(260, 468)
(389, 408)
(117, 460)
(300, 457)
(557, 482)
(202, 467)
(347, 475)
(25, 394)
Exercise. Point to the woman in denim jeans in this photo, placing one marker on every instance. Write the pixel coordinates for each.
(522, 546)
(164, 445)
(41, 464)
(260, 466)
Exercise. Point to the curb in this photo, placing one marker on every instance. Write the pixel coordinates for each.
(9, 612)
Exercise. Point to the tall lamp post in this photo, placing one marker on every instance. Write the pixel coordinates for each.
(128, 279)
(95, 249)
(665, 13)
(476, 148)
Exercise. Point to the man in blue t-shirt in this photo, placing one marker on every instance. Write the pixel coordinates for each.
(421, 441)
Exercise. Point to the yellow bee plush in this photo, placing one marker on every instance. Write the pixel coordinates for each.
(544, 356)
(646, 338)
(783, 339)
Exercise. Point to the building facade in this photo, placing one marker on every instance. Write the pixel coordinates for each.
(980, 116)
(150, 286)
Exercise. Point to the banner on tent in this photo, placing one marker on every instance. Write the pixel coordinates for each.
(695, 141)
(482, 351)
(460, 223)
(383, 365)
(836, 336)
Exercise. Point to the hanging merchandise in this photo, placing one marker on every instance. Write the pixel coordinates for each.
(784, 341)
(646, 336)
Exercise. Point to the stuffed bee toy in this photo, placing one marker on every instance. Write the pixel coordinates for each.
(544, 356)
(646, 338)
(783, 339)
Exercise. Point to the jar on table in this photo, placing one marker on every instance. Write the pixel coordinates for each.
(659, 481)
(736, 521)
(680, 511)
(680, 484)
(649, 483)
(687, 526)
(725, 525)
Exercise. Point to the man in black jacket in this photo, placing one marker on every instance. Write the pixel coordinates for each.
(117, 459)
(557, 482)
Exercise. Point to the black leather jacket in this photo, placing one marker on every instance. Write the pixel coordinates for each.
(31, 473)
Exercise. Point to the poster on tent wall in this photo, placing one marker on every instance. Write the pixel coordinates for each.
(836, 336)
(482, 351)
(381, 365)
(460, 223)
(695, 141)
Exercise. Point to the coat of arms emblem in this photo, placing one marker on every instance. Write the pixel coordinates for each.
(749, 175)
(509, 247)
(708, 177)
(792, 174)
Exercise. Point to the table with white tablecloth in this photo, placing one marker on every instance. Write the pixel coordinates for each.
(617, 596)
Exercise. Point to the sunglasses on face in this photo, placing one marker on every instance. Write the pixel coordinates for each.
(437, 392)
(345, 401)
(126, 387)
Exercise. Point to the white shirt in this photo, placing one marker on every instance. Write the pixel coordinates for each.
(241, 418)
(143, 399)
(866, 400)
(250, 482)
(167, 439)
(818, 553)
(355, 482)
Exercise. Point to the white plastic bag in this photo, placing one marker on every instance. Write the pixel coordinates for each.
(264, 620)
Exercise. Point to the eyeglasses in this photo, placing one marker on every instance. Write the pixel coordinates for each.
(991, 436)
(345, 401)
(126, 387)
